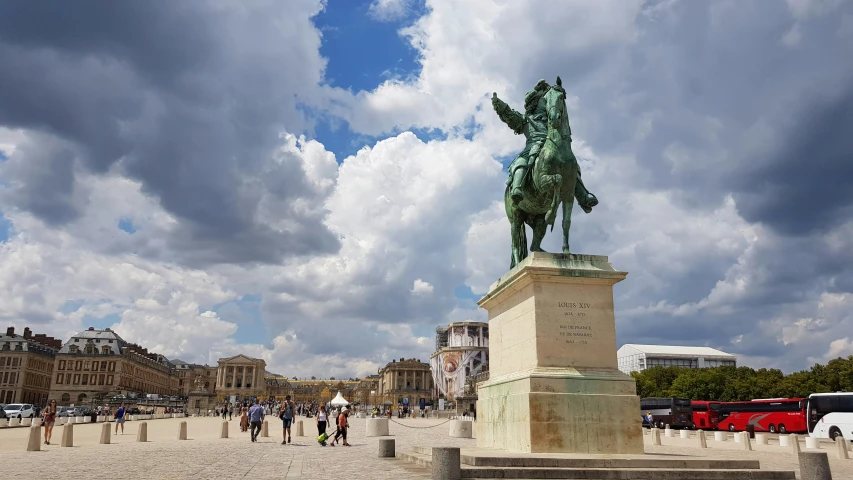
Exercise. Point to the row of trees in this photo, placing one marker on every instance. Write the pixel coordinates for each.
(731, 384)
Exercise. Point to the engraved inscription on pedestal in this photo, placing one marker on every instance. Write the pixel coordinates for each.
(576, 330)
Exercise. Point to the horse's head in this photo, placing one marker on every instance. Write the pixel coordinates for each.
(555, 103)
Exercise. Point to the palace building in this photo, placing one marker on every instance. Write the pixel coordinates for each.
(407, 378)
(96, 364)
(26, 366)
(240, 378)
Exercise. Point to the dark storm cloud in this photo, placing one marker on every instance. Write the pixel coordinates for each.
(186, 97)
(733, 110)
(806, 183)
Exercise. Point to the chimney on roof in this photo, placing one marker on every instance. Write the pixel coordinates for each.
(10, 331)
(27, 333)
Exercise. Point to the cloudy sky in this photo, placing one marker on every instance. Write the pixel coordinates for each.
(319, 183)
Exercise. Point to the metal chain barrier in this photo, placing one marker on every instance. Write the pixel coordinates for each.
(409, 426)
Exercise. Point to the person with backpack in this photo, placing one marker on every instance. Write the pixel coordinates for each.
(286, 416)
(343, 425)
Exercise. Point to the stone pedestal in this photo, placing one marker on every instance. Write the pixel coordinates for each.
(265, 429)
(386, 448)
(223, 430)
(376, 427)
(299, 430)
(460, 428)
(554, 385)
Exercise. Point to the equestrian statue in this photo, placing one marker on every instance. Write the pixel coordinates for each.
(546, 173)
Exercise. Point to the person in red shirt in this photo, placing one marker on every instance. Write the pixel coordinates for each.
(343, 425)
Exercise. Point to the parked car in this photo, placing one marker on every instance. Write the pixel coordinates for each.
(3, 414)
(19, 410)
(65, 412)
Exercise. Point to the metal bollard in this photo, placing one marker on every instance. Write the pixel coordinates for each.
(814, 466)
(446, 463)
(386, 448)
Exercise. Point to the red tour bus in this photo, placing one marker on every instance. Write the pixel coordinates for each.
(706, 414)
(782, 415)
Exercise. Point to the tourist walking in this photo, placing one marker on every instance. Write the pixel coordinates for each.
(286, 415)
(48, 419)
(322, 422)
(343, 425)
(120, 418)
(244, 419)
(256, 416)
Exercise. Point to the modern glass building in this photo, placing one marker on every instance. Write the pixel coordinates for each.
(636, 358)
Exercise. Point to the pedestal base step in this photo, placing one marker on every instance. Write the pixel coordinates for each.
(530, 467)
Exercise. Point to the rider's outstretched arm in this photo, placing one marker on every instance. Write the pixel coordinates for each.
(512, 118)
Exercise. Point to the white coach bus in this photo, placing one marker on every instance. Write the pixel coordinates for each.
(830, 415)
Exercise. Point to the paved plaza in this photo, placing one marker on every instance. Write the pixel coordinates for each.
(205, 456)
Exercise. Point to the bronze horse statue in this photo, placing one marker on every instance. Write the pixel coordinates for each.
(554, 179)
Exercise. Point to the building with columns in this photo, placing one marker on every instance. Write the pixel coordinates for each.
(461, 353)
(407, 378)
(241, 377)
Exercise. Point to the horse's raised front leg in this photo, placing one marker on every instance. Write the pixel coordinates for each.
(568, 203)
(540, 227)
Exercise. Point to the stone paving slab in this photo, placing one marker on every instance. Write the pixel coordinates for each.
(205, 456)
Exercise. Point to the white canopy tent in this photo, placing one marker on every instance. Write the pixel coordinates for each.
(339, 401)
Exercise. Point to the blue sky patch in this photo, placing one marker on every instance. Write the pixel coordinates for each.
(362, 54)
(126, 224)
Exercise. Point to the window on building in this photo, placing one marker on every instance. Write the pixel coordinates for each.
(65, 398)
(62, 364)
(76, 379)
(59, 379)
(85, 379)
(73, 349)
(16, 362)
(94, 366)
(101, 379)
(86, 365)
(112, 366)
(78, 365)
